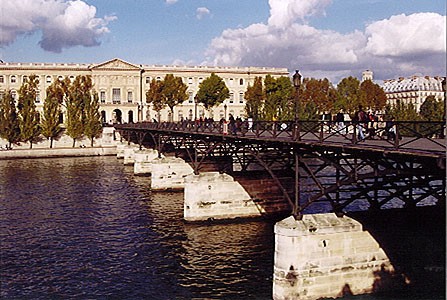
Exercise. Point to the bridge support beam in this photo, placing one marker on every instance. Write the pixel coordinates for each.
(169, 173)
(325, 256)
(129, 154)
(143, 161)
(212, 195)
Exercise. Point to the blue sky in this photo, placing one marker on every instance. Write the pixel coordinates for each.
(322, 38)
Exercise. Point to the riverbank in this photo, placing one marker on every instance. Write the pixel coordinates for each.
(57, 152)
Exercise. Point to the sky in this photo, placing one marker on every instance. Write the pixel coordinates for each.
(330, 39)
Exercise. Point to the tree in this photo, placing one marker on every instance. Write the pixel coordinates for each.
(79, 93)
(28, 115)
(174, 91)
(155, 96)
(212, 91)
(278, 98)
(431, 109)
(9, 121)
(320, 93)
(372, 96)
(51, 111)
(92, 126)
(254, 97)
(402, 112)
(349, 91)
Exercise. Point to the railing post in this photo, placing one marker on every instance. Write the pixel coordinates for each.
(354, 133)
(397, 137)
(321, 131)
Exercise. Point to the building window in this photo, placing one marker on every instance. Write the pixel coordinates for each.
(158, 78)
(102, 96)
(48, 79)
(2, 94)
(14, 95)
(200, 80)
(241, 81)
(37, 97)
(61, 78)
(241, 97)
(190, 80)
(72, 78)
(2, 80)
(24, 78)
(231, 81)
(231, 97)
(13, 79)
(191, 98)
(148, 80)
(129, 97)
(116, 96)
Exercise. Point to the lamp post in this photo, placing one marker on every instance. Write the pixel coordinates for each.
(297, 84)
(444, 89)
(195, 107)
(225, 111)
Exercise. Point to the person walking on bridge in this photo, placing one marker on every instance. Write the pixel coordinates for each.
(361, 119)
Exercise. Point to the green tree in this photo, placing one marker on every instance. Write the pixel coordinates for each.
(278, 99)
(155, 96)
(92, 126)
(212, 91)
(431, 109)
(254, 97)
(402, 112)
(372, 96)
(28, 116)
(51, 111)
(349, 91)
(174, 91)
(9, 121)
(79, 93)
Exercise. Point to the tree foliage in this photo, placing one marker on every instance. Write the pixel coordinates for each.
(432, 110)
(155, 96)
(278, 98)
(9, 121)
(52, 110)
(254, 97)
(349, 91)
(402, 112)
(212, 91)
(320, 93)
(29, 118)
(92, 126)
(372, 96)
(173, 91)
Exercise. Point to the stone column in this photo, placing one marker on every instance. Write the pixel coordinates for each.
(169, 173)
(212, 195)
(143, 161)
(325, 256)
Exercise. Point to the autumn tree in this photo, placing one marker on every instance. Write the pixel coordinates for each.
(155, 97)
(254, 97)
(52, 110)
(212, 91)
(174, 91)
(320, 93)
(372, 96)
(9, 121)
(28, 115)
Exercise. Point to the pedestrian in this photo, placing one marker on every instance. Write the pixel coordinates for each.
(360, 119)
(340, 120)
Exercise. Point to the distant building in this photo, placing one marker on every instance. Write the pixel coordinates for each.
(367, 75)
(414, 89)
(122, 86)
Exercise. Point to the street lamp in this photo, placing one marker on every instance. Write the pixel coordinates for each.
(195, 107)
(296, 83)
(225, 111)
(444, 88)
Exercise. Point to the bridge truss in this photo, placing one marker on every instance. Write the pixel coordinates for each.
(318, 167)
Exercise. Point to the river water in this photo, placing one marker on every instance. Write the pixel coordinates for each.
(87, 228)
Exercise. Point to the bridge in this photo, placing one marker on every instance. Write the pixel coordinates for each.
(318, 166)
(317, 172)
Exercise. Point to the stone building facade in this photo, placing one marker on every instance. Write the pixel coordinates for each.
(414, 90)
(122, 86)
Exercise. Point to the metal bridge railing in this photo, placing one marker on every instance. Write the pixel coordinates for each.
(400, 135)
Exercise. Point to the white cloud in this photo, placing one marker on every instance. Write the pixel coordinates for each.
(400, 45)
(201, 12)
(169, 2)
(63, 24)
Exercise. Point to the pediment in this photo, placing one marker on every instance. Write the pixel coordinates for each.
(117, 64)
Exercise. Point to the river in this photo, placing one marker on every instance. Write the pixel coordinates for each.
(87, 228)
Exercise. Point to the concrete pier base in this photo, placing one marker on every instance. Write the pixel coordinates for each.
(212, 195)
(325, 256)
(120, 150)
(143, 161)
(169, 173)
(129, 154)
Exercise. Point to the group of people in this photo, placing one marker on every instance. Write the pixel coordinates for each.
(367, 125)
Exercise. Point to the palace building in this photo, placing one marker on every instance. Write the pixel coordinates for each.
(122, 86)
(414, 90)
